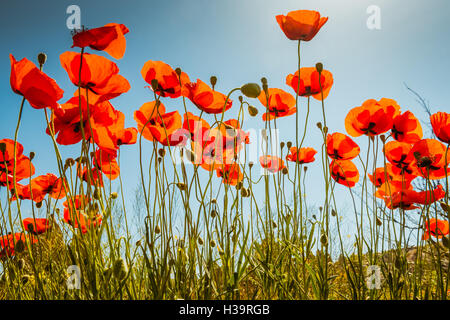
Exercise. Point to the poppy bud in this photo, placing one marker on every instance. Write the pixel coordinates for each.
(252, 111)
(263, 80)
(239, 185)
(274, 224)
(244, 193)
(319, 125)
(305, 168)
(114, 195)
(200, 241)
(333, 212)
(154, 84)
(157, 230)
(282, 145)
(181, 186)
(42, 57)
(325, 130)
(96, 194)
(319, 67)
(213, 81)
(383, 138)
(39, 204)
(285, 170)
(20, 246)
(289, 144)
(251, 90)
(138, 243)
(162, 153)
(32, 154)
(70, 162)
(241, 99)
(178, 71)
(446, 242)
(3, 147)
(213, 201)
(119, 269)
(213, 213)
(445, 207)
(212, 243)
(324, 239)
(250, 164)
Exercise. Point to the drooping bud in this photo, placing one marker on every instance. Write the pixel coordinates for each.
(251, 90)
(252, 111)
(162, 153)
(241, 99)
(181, 186)
(319, 67)
(319, 125)
(379, 222)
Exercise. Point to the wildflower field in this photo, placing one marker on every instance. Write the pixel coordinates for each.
(222, 209)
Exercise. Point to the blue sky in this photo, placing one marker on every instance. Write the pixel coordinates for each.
(239, 41)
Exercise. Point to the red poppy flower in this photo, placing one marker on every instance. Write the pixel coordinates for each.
(372, 118)
(441, 126)
(429, 159)
(271, 163)
(399, 155)
(406, 128)
(301, 24)
(381, 175)
(98, 74)
(9, 242)
(304, 155)
(344, 172)
(390, 187)
(67, 123)
(109, 38)
(24, 167)
(230, 173)
(42, 185)
(168, 81)
(147, 112)
(78, 214)
(341, 147)
(36, 226)
(310, 83)
(206, 99)
(436, 228)
(406, 198)
(40, 90)
(278, 104)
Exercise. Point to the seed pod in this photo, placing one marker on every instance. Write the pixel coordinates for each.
(213, 201)
(251, 90)
(200, 241)
(263, 80)
(324, 239)
(333, 212)
(213, 81)
(114, 195)
(251, 164)
(212, 243)
(319, 67)
(178, 71)
(157, 230)
(32, 154)
(162, 153)
(285, 171)
(213, 213)
(42, 57)
(289, 144)
(282, 145)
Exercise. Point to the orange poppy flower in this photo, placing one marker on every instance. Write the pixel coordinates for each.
(36, 226)
(107, 164)
(67, 123)
(98, 74)
(9, 242)
(406, 128)
(40, 90)
(205, 98)
(304, 155)
(271, 163)
(301, 24)
(344, 172)
(372, 118)
(310, 83)
(24, 167)
(109, 38)
(341, 147)
(381, 175)
(196, 126)
(441, 126)
(230, 173)
(279, 104)
(399, 155)
(390, 187)
(429, 159)
(406, 198)
(168, 81)
(147, 112)
(42, 185)
(75, 214)
(437, 228)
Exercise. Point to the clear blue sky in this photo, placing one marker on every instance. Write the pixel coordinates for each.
(239, 41)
